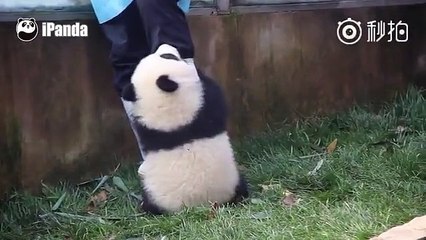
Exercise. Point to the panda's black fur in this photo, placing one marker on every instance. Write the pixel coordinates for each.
(210, 120)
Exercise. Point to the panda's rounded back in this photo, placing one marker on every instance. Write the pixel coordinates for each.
(195, 173)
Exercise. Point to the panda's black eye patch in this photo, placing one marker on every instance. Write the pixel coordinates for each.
(169, 56)
(167, 85)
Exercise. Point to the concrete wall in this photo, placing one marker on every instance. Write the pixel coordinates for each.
(60, 118)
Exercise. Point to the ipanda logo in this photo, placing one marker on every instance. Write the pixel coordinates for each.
(27, 29)
(64, 30)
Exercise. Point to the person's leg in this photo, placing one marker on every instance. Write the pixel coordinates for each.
(165, 22)
(138, 31)
(129, 44)
(126, 34)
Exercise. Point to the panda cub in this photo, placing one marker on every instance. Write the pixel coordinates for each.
(180, 117)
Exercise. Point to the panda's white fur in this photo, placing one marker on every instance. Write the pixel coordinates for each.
(198, 172)
(163, 111)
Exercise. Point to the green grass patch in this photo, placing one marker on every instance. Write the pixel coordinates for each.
(374, 179)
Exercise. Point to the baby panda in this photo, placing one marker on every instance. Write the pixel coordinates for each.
(180, 117)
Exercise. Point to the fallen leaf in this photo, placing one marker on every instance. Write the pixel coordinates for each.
(96, 200)
(256, 201)
(101, 220)
(90, 208)
(289, 199)
(59, 202)
(108, 188)
(261, 215)
(317, 167)
(401, 129)
(101, 182)
(120, 184)
(80, 217)
(116, 168)
(332, 146)
(138, 197)
(269, 186)
(213, 210)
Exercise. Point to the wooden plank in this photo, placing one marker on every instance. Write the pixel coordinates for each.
(267, 2)
(223, 7)
(319, 4)
(332, 2)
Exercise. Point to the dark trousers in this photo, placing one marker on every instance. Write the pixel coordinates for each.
(140, 29)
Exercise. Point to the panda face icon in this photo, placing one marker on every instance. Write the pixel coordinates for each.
(26, 29)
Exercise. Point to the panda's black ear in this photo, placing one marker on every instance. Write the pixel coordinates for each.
(167, 85)
(128, 93)
(20, 20)
(169, 56)
(32, 19)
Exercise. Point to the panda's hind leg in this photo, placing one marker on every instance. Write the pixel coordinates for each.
(148, 206)
(241, 191)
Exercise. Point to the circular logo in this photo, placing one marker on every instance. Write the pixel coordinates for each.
(26, 29)
(349, 31)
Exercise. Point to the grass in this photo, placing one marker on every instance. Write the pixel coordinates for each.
(374, 179)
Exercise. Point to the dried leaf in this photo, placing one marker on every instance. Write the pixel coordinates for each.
(213, 210)
(90, 207)
(102, 196)
(332, 146)
(120, 184)
(59, 202)
(269, 186)
(289, 199)
(96, 200)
